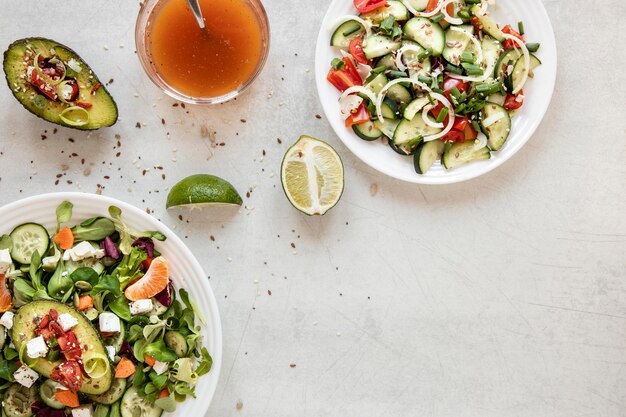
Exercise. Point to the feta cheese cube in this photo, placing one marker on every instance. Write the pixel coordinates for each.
(36, 348)
(67, 321)
(82, 251)
(83, 411)
(25, 376)
(141, 306)
(109, 323)
(111, 352)
(5, 260)
(160, 367)
(7, 320)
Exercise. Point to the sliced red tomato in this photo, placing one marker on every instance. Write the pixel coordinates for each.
(44, 322)
(69, 375)
(56, 328)
(43, 87)
(356, 50)
(449, 83)
(508, 43)
(432, 5)
(70, 347)
(469, 132)
(459, 123)
(366, 6)
(514, 102)
(453, 136)
(345, 77)
(478, 27)
(435, 113)
(361, 115)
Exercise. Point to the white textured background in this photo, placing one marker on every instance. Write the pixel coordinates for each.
(503, 296)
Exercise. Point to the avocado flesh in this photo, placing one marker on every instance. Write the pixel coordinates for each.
(27, 319)
(17, 59)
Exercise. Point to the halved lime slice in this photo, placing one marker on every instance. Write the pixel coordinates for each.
(202, 190)
(312, 176)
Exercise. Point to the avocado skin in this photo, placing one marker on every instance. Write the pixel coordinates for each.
(107, 116)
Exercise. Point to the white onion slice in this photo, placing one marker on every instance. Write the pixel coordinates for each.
(427, 119)
(343, 19)
(359, 89)
(348, 104)
(450, 19)
(473, 39)
(522, 46)
(481, 141)
(385, 89)
(451, 118)
(401, 51)
(493, 119)
(411, 9)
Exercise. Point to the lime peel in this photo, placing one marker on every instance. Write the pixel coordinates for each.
(202, 190)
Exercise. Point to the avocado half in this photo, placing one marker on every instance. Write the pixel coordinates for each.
(92, 94)
(25, 322)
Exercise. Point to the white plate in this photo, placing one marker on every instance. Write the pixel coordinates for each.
(538, 92)
(186, 272)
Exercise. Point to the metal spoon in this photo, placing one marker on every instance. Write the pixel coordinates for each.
(197, 13)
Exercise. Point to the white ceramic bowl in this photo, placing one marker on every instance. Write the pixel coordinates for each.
(186, 272)
(538, 92)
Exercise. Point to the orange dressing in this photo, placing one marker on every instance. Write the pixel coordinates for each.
(205, 63)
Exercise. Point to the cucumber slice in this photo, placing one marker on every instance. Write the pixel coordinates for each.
(456, 42)
(419, 5)
(462, 153)
(387, 126)
(379, 45)
(176, 342)
(427, 33)
(3, 336)
(134, 405)
(400, 94)
(19, 56)
(113, 394)
(388, 61)
(414, 107)
(403, 150)
(509, 57)
(492, 50)
(489, 26)
(413, 130)
(394, 8)
(496, 98)
(520, 67)
(115, 410)
(426, 155)
(389, 109)
(367, 131)
(499, 131)
(345, 33)
(18, 399)
(47, 391)
(101, 410)
(28, 238)
(377, 83)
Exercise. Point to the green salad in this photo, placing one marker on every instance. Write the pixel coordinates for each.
(91, 325)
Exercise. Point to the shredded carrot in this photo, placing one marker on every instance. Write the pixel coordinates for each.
(164, 393)
(149, 360)
(67, 398)
(65, 238)
(85, 302)
(125, 368)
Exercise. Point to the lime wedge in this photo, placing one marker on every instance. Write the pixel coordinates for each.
(312, 176)
(202, 190)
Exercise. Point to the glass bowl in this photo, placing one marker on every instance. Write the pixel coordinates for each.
(147, 14)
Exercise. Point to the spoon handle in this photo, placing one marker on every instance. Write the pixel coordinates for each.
(197, 13)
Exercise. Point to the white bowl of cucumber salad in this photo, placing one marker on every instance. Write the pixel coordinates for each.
(435, 91)
(104, 312)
